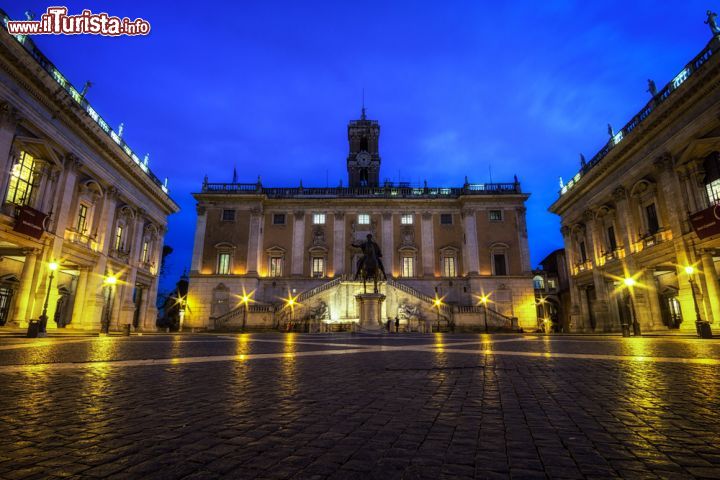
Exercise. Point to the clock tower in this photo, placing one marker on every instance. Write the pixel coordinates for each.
(363, 162)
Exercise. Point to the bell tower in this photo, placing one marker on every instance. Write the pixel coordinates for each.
(363, 162)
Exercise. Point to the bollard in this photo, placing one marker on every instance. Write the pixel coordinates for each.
(703, 329)
(33, 329)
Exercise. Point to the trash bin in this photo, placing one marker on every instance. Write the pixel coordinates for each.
(33, 329)
(126, 330)
(703, 328)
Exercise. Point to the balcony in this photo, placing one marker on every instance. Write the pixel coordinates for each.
(121, 255)
(148, 266)
(612, 255)
(648, 240)
(582, 267)
(80, 238)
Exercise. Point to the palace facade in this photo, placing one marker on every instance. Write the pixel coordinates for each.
(640, 219)
(261, 249)
(82, 218)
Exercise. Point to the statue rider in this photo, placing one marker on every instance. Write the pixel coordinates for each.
(365, 246)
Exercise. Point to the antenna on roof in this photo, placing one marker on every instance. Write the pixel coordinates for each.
(490, 171)
(234, 175)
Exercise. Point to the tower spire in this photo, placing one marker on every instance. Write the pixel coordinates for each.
(362, 117)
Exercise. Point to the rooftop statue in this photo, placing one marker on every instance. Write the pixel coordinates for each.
(712, 22)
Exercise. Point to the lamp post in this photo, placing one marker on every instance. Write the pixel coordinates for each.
(245, 299)
(290, 303)
(52, 266)
(181, 313)
(484, 300)
(630, 283)
(701, 326)
(110, 281)
(437, 303)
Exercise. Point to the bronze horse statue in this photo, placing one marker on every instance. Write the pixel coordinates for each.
(369, 265)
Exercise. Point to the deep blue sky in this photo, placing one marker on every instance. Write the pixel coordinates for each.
(457, 86)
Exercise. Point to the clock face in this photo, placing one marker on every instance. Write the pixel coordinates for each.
(363, 159)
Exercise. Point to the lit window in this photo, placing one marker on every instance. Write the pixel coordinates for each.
(276, 266)
(538, 282)
(406, 219)
(119, 238)
(23, 180)
(449, 267)
(499, 264)
(363, 219)
(495, 215)
(318, 267)
(318, 219)
(82, 219)
(228, 215)
(408, 266)
(145, 251)
(551, 283)
(279, 219)
(446, 219)
(223, 266)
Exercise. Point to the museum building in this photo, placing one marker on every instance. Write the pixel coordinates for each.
(454, 257)
(82, 218)
(640, 220)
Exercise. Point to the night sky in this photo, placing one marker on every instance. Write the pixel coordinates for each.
(459, 87)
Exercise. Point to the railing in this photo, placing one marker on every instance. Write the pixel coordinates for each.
(78, 238)
(388, 191)
(320, 288)
(492, 314)
(645, 112)
(648, 240)
(616, 254)
(237, 312)
(48, 66)
(582, 267)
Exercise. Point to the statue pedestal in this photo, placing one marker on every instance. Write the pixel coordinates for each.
(370, 308)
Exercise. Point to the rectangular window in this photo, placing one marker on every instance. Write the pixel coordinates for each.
(652, 219)
(495, 215)
(82, 219)
(583, 252)
(318, 267)
(119, 238)
(713, 191)
(363, 219)
(406, 219)
(612, 241)
(279, 219)
(446, 219)
(408, 266)
(499, 263)
(145, 251)
(276, 264)
(228, 215)
(449, 269)
(23, 181)
(318, 219)
(551, 283)
(223, 267)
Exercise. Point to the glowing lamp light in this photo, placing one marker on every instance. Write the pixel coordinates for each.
(110, 280)
(53, 266)
(689, 269)
(484, 299)
(629, 282)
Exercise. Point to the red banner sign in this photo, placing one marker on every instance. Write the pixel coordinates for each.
(30, 222)
(706, 223)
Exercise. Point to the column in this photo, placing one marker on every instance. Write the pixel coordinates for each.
(669, 191)
(149, 312)
(25, 290)
(64, 202)
(298, 245)
(199, 243)
(8, 123)
(624, 219)
(428, 244)
(712, 290)
(575, 315)
(387, 242)
(339, 246)
(254, 242)
(471, 257)
(523, 240)
(79, 300)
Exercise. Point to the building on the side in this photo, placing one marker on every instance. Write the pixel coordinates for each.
(257, 246)
(644, 208)
(552, 292)
(75, 198)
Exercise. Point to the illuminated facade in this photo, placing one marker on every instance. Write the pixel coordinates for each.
(639, 210)
(73, 195)
(280, 243)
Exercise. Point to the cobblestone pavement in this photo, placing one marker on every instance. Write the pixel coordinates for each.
(346, 407)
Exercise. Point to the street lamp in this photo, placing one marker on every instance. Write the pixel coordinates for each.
(109, 282)
(291, 302)
(702, 327)
(630, 282)
(245, 300)
(437, 303)
(542, 302)
(52, 266)
(484, 300)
